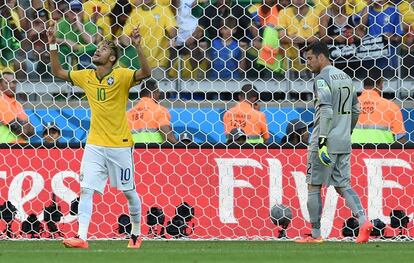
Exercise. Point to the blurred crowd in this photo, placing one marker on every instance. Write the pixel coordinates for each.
(216, 39)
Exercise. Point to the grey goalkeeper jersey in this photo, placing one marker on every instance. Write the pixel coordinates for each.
(333, 88)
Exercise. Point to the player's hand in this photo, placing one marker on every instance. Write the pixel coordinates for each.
(136, 37)
(323, 152)
(51, 32)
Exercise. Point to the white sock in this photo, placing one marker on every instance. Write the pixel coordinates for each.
(85, 212)
(134, 205)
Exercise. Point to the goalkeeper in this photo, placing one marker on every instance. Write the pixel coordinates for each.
(108, 151)
(336, 113)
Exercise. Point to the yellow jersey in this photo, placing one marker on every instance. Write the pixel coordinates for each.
(407, 12)
(296, 26)
(153, 24)
(108, 99)
(352, 6)
(103, 7)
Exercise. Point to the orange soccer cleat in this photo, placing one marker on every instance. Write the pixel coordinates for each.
(75, 242)
(309, 239)
(364, 232)
(135, 242)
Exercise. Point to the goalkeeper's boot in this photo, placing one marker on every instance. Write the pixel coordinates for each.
(364, 232)
(75, 242)
(135, 242)
(309, 239)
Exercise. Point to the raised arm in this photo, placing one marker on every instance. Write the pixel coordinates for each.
(145, 70)
(57, 69)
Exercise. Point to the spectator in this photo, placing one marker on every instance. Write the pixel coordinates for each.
(149, 121)
(263, 12)
(300, 26)
(236, 135)
(50, 5)
(269, 13)
(119, 16)
(12, 11)
(187, 24)
(36, 44)
(53, 7)
(14, 124)
(407, 52)
(186, 43)
(382, 18)
(77, 40)
(98, 12)
(351, 6)
(270, 55)
(172, 4)
(244, 116)
(380, 120)
(51, 133)
(297, 133)
(226, 56)
(18, 16)
(157, 26)
(336, 26)
(211, 22)
(9, 35)
(407, 11)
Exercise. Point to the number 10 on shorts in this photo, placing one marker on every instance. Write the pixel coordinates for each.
(125, 174)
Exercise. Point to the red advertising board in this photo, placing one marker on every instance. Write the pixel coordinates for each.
(231, 190)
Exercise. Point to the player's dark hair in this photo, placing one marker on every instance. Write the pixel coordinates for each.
(111, 45)
(374, 77)
(318, 48)
(249, 91)
(148, 88)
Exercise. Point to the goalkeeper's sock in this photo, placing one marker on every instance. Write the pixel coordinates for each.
(85, 212)
(134, 205)
(315, 211)
(353, 202)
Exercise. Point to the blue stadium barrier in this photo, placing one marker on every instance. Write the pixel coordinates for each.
(206, 125)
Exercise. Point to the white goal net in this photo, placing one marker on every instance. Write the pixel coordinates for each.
(198, 184)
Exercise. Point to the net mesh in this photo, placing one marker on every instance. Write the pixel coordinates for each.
(202, 53)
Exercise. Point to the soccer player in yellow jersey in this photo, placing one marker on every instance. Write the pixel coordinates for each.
(108, 151)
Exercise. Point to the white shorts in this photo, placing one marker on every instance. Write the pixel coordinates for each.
(99, 162)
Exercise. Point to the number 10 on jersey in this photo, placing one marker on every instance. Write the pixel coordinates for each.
(100, 94)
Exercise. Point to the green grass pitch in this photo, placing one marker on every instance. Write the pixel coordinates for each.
(207, 251)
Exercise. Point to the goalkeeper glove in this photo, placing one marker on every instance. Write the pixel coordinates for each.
(323, 151)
